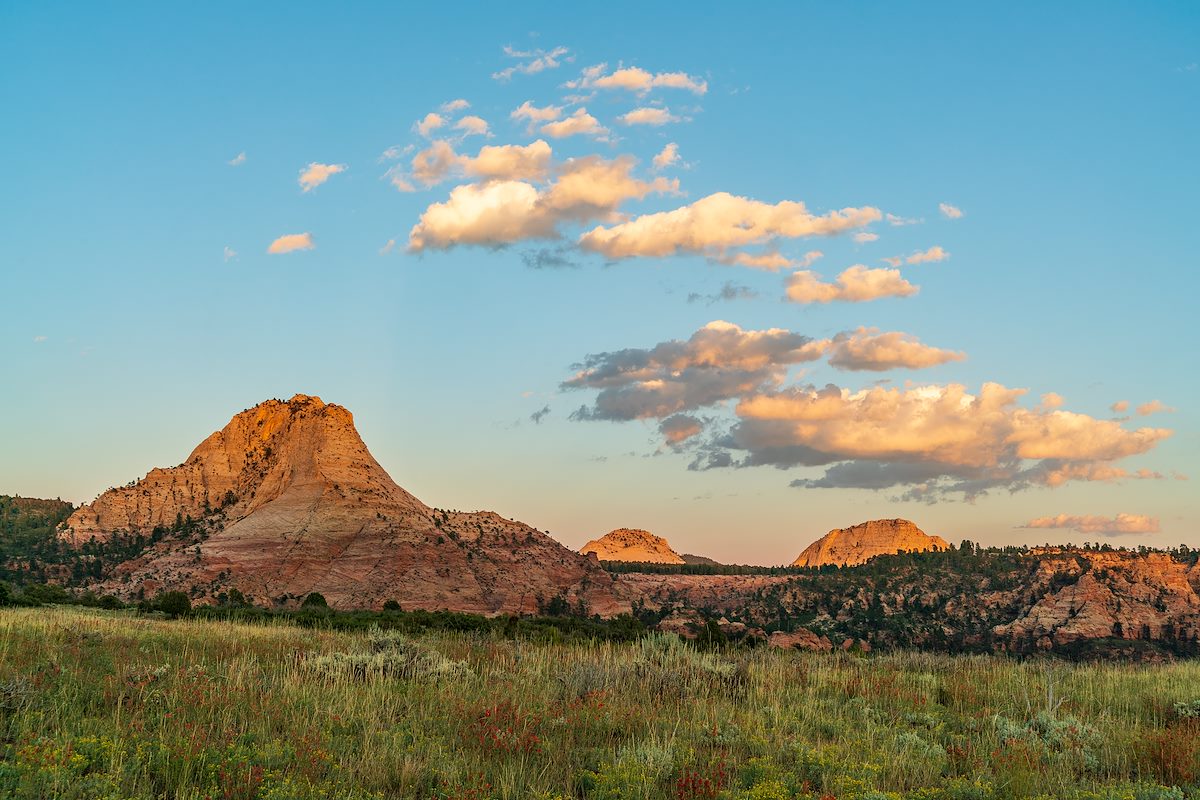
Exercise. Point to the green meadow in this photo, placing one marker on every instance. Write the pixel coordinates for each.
(109, 704)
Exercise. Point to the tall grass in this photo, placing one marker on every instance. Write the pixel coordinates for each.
(109, 705)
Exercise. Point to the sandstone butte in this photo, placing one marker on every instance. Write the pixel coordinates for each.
(850, 546)
(288, 501)
(632, 544)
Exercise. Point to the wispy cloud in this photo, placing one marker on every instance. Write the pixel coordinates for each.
(237, 160)
(667, 157)
(454, 105)
(291, 242)
(935, 253)
(636, 79)
(1092, 523)
(316, 174)
(472, 126)
(229, 253)
(1153, 407)
(718, 222)
(534, 61)
(648, 116)
(429, 123)
(949, 211)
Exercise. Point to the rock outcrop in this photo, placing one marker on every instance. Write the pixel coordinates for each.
(850, 546)
(286, 500)
(1096, 595)
(632, 544)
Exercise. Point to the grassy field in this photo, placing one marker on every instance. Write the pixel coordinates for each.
(98, 704)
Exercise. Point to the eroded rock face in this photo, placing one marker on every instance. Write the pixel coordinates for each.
(292, 502)
(632, 544)
(1107, 594)
(855, 545)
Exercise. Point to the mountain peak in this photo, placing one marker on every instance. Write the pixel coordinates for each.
(858, 543)
(632, 544)
(287, 500)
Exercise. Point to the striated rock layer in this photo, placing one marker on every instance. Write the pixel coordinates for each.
(632, 544)
(855, 545)
(290, 501)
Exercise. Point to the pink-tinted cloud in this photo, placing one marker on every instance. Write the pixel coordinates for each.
(291, 242)
(315, 174)
(1092, 523)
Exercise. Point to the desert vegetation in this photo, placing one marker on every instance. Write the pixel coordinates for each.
(111, 704)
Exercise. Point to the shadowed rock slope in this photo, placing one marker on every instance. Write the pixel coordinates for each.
(286, 500)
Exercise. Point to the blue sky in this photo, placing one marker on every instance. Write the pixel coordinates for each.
(1066, 136)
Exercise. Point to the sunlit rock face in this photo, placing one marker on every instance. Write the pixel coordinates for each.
(288, 500)
(855, 545)
(632, 544)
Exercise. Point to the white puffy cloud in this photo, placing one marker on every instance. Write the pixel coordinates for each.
(537, 61)
(529, 162)
(315, 174)
(717, 222)
(648, 116)
(636, 79)
(983, 441)
(435, 163)
(438, 162)
(429, 123)
(768, 261)
(579, 123)
(949, 211)
(857, 284)
(490, 214)
(667, 157)
(291, 242)
(504, 211)
(1092, 523)
(935, 253)
(868, 349)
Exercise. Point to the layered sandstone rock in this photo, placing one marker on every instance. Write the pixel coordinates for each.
(850, 546)
(290, 501)
(1106, 594)
(632, 544)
